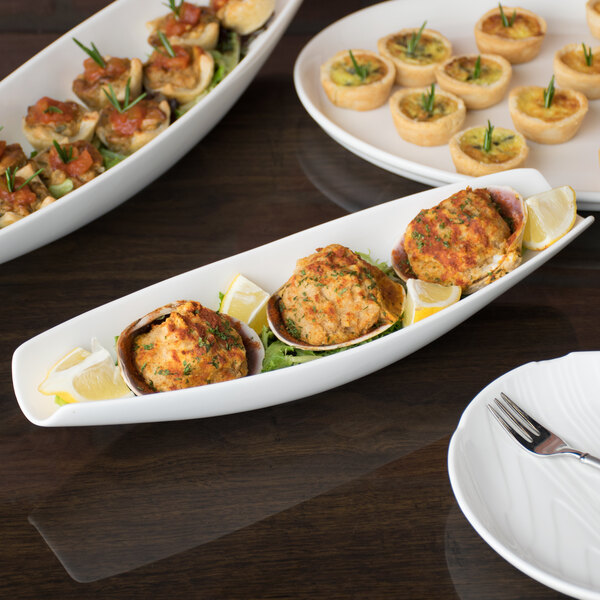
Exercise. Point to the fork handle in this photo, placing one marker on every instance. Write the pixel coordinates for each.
(588, 459)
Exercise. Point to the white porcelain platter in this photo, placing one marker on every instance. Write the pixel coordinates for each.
(375, 230)
(118, 30)
(541, 514)
(372, 135)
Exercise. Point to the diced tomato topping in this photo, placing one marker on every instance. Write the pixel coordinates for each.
(80, 163)
(23, 197)
(189, 15)
(128, 122)
(162, 60)
(113, 69)
(46, 110)
(217, 5)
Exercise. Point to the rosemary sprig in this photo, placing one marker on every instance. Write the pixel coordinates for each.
(414, 40)
(477, 68)
(363, 71)
(428, 100)
(549, 93)
(587, 53)
(65, 155)
(10, 179)
(176, 8)
(53, 109)
(505, 21)
(112, 97)
(92, 52)
(487, 137)
(166, 44)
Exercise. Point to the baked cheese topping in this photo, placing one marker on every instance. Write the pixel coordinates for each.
(412, 106)
(505, 145)
(524, 26)
(531, 102)
(575, 59)
(430, 49)
(343, 72)
(463, 67)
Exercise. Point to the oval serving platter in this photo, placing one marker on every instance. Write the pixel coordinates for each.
(373, 230)
(118, 30)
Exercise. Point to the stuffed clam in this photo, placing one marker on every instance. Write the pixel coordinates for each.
(183, 345)
(334, 299)
(470, 239)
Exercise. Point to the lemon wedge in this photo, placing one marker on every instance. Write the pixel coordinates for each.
(424, 299)
(80, 376)
(550, 215)
(247, 302)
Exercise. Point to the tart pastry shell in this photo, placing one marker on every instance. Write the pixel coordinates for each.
(566, 77)
(593, 18)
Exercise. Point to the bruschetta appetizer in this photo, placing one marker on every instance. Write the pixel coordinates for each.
(99, 71)
(65, 168)
(415, 52)
(577, 67)
(482, 150)
(178, 72)
(126, 127)
(65, 122)
(514, 33)
(357, 79)
(425, 117)
(547, 115)
(21, 193)
(480, 80)
(243, 16)
(186, 24)
(11, 157)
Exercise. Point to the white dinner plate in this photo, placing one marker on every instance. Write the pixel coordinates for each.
(118, 30)
(542, 514)
(372, 135)
(375, 229)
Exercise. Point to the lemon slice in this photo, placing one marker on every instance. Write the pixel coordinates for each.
(550, 215)
(247, 302)
(81, 376)
(424, 299)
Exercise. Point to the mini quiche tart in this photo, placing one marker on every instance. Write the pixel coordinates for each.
(553, 125)
(426, 126)
(183, 76)
(65, 122)
(518, 42)
(415, 68)
(508, 150)
(572, 70)
(243, 16)
(363, 90)
(480, 80)
(592, 13)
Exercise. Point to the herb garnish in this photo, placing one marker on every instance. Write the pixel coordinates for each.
(92, 52)
(53, 109)
(65, 155)
(10, 179)
(176, 8)
(166, 44)
(411, 47)
(587, 53)
(477, 69)
(363, 71)
(428, 100)
(487, 137)
(112, 97)
(505, 21)
(549, 93)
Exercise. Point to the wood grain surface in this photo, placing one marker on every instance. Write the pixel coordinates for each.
(340, 495)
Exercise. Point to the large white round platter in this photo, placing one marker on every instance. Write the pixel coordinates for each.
(118, 30)
(542, 514)
(375, 230)
(372, 135)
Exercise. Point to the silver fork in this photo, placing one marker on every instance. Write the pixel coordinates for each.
(532, 435)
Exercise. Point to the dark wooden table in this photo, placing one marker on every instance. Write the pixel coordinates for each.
(340, 495)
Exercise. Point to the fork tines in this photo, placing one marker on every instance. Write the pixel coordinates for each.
(519, 422)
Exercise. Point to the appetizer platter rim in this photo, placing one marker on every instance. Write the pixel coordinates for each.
(461, 484)
(228, 90)
(99, 412)
(394, 163)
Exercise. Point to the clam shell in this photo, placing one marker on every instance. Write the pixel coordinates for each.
(514, 210)
(254, 349)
